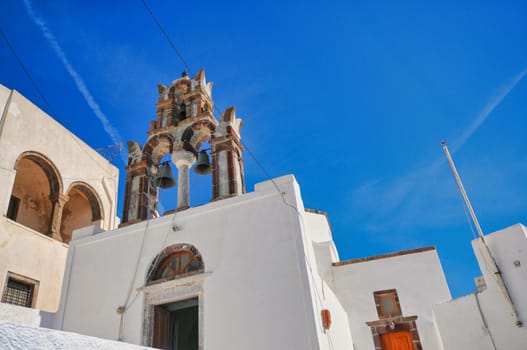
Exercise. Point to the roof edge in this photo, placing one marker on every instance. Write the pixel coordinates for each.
(383, 256)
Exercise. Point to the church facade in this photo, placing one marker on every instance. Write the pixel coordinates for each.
(247, 270)
(252, 269)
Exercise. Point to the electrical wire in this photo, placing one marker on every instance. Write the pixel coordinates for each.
(251, 154)
(483, 321)
(483, 254)
(26, 71)
(187, 66)
(258, 163)
(140, 254)
(467, 216)
(167, 37)
(39, 91)
(122, 309)
(127, 303)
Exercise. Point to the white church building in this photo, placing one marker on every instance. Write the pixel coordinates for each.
(251, 269)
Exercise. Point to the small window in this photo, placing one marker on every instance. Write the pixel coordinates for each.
(20, 290)
(387, 303)
(12, 210)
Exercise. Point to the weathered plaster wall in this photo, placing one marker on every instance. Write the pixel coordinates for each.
(33, 255)
(418, 279)
(77, 213)
(23, 250)
(256, 291)
(35, 209)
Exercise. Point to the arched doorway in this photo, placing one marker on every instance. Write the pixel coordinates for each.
(173, 316)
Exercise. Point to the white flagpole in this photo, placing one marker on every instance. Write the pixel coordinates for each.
(489, 257)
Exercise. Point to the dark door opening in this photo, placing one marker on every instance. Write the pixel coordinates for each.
(176, 325)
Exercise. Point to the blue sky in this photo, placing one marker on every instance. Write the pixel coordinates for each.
(352, 97)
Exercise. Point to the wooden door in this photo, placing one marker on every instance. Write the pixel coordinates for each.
(397, 341)
(161, 332)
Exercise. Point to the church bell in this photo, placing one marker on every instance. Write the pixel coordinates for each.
(164, 178)
(202, 166)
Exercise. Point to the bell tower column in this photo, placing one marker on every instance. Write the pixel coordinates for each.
(228, 178)
(183, 159)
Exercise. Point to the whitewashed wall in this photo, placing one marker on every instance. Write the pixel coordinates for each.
(24, 127)
(257, 291)
(16, 337)
(320, 254)
(461, 326)
(489, 323)
(20, 315)
(418, 279)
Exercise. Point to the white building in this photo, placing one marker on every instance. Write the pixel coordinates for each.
(388, 298)
(251, 270)
(265, 270)
(52, 184)
(486, 319)
(248, 270)
(250, 283)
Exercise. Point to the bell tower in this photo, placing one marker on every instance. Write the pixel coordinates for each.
(184, 122)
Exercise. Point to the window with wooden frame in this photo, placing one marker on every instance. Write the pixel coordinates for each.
(20, 290)
(387, 303)
(176, 261)
(179, 263)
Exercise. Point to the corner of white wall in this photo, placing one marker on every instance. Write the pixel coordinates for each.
(272, 183)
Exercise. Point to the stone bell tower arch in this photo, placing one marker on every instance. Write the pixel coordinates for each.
(184, 122)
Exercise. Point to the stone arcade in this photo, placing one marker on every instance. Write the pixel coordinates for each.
(45, 194)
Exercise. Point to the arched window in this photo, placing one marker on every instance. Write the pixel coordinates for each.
(82, 209)
(175, 261)
(179, 263)
(35, 192)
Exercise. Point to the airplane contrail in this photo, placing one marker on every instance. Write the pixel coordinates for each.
(79, 82)
(486, 112)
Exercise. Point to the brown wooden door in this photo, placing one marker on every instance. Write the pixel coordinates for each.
(397, 341)
(161, 328)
